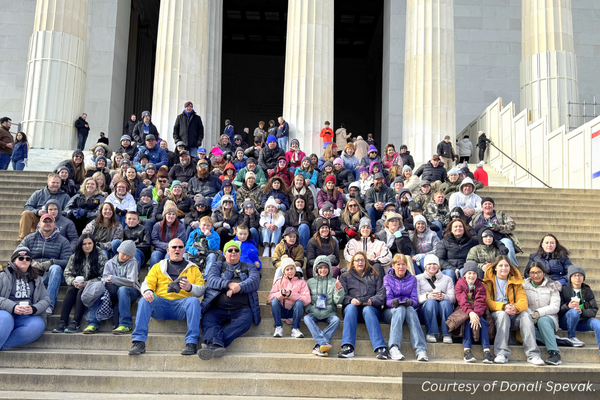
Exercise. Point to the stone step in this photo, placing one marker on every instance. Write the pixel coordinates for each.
(23, 174)
(203, 383)
(526, 190)
(542, 229)
(6, 195)
(25, 395)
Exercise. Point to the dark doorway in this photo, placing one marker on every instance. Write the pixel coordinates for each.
(253, 61)
(143, 31)
(358, 66)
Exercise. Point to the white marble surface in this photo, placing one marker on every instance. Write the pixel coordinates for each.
(48, 159)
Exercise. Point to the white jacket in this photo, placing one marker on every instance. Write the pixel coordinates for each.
(465, 148)
(545, 299)
(459, 199)
(376, 250)
(128, 202)
(268, 218)
(413, 184)
(442, 283)
(365, 184)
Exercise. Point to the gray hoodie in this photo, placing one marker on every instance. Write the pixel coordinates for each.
(122, 274)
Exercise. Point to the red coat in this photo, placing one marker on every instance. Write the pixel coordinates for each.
(461, 290)
(293, 159)
(481, 176)
(284, 174)
(327, 135)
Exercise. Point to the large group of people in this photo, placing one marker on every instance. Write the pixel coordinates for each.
(420, 247)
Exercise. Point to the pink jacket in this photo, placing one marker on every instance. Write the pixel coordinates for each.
(299, 290)
(293, 159)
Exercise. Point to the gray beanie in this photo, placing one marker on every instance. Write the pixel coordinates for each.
(470, 266)
(575, 269)
(128, 248)
(146, 192)
(364, 221)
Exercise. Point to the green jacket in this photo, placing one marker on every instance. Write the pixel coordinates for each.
(240, 178)
(318, 285)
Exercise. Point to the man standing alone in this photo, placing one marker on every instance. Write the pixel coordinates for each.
(189, 129)
(446, 153)
(83, 128)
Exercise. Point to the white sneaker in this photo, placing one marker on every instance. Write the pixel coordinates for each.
(49, 311)
(395, 353)
(536, 360)
(297, 334)
(576, 342)
(500, 359)
(266, 251)
(447, 339)
(278, 332)
(431, 339)
(422, 356)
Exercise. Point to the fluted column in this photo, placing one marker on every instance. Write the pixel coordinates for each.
(56, 73)
(548, 64)
(308, 87)
(429, 78)
(188, 64)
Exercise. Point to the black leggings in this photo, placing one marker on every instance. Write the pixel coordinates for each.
(462, 159)
(224, 235)
(72, 297)
(481, 154)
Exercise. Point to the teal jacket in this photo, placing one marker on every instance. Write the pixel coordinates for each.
(320, 285)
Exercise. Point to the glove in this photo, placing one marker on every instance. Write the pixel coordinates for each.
(419, 257)
(195, 224)
(331, 258)
(408, 303)
(174, 287)
(398, 234)
(535, 317)
(395, 303)
(80, 213)
(46, 265)
(226, 225)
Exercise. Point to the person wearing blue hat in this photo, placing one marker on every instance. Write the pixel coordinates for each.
(268, 156)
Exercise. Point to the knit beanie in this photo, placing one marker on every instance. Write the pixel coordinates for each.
(398, 179)
(419, 218)
(271, 202)
(286, 262)
(363, 169)
(250, 160)
(100, 158)
(201, 201)
(405, 168)
(327, 164)
(484, 199)
(453, 171)
(231, 243)
(306, 158)
(124, 161)
(320, 222)
(480, 164)
(338, 161)
(249, 203)
(216, 151)
(77, 153)
(372, 149)
(431, 259)
(330, 178)
(169, 207)
(163, 172)
(20, 251)
(271, 138)
(226, 183)
(575, 269)
(470, 266)
(249, 174)
(150, 166)
(227, 197)
(127, 247)
(327, 206)
(176, 183)
(364, 221)
(146, 192)
(239, 149)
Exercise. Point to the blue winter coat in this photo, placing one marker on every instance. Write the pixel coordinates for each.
(556, 268)
(276, 194)
(239, 164)
(229, 131)
(214, 241)
(20, 151)
(216, 281)
(156, 155)
(217, 200)
(308, 175)
(249, 252)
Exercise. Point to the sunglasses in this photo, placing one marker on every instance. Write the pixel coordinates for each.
(202, 166)
(234, 250)
(176, 247)
(352, 205)
(21, 258)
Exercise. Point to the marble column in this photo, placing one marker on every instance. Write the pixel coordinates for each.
(429, 77)
(548, 63)
(308, 85)
(56, 74)
(188, 65)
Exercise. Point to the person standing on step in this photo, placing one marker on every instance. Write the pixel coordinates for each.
(364, 297)
(23, 301)
(83, 129)
(189, 128)
(325, 295)
(578, 307)
(288, 297)
(34, 207)
(446, 153)
(6, 143)
(465, 149)
(482, 142)
(507, 300)
(230, 304)
(283, 132)
(144, 128)
(85, 265)
(554, 257)
(170, 291)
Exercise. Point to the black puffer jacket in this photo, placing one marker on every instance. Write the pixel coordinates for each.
(590, 306)
(208, 187)
(147, 210)
(428, 172)
(251, 221)
(313, 250)
(140, 236)
(128, 127)
(91, 205)
(268, 158)
(407, 159)
(344, 178)
(132, 150)
(182, 173)
(369, 287)
(219, 219)
(184, 125)
(138, 132)
(453, 252)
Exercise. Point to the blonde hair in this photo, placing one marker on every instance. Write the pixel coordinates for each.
(83, 190)
(406, 259)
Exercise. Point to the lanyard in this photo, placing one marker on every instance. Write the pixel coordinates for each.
(500, 289)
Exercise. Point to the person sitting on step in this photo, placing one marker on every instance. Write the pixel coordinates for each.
(289, 247)
(170, 291)
(554, 257)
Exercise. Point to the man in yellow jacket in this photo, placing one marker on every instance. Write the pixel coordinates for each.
(171, 291)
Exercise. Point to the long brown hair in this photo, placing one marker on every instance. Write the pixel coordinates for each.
(283, 187)
(79, 171)
(466, 233)
(317, 237)
(112, 221)
(164, 226)
(328, 153)
(367, 264)
(349, 219)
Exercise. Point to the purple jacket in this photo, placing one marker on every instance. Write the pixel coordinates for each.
(401, 289)
(323, 196)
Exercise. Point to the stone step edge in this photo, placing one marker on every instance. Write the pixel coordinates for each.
(117, 396)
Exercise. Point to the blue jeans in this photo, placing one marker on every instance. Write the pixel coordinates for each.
(279, 311)
(255, 236)
(451, 273)
(396, 317)
(139, 255)
(419, 267)
(162, 309)
(121, 219)
(149, 223)
(156, 256)
(483, 334)
(374, 215)
(570, 322)
(370, 316)
(440, 233)
(81, 138)
(304, 234)
(193, 151)
(269, 236)
(322, 336)
(53, 279)
(19, 330)
(18, 165)
(429, 313)
(126, 296)
(113, 249)
(4, 161)
(210, 260)
(282, 142)
(213, 331)
(511, 251)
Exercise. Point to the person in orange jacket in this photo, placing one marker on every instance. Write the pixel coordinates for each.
(327, 134)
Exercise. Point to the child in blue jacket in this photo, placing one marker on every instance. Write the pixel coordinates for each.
(248, 246)
(205, 230)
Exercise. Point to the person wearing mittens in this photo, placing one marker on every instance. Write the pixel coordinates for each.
(325, 295)
(436, 297)
(578, 307)
(470, 296)
(402, 302)
(288, 297)
(364, 297)
(23, 301)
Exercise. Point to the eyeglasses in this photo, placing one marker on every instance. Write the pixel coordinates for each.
(359, 260)
(536, 273)
(234, 250)
(176, 247)
(28, 259)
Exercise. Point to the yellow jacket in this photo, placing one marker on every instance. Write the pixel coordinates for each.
(514, 290)
(158, 281)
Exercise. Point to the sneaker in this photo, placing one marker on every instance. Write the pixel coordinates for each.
(122, 330)
(60, 328)
(447, 339)
(189, 349)
(469, 356)
(296, 333)
(91, 329)
(72, 328)
(535, 360)
(395, 353)
(576, 342)
(317, 351)
(554, 358)
(137, 349)
(422, 356)
(487, 357)
(346, 352)
(325, 348)
(563, 341)
(278, 331)
(266, 251)
(208, 352)
(431, 339)
(382, 353)
(500, 359)
(49, 311)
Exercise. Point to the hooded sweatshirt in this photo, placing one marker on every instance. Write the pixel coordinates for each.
(122, 274)
(459, 199)
(319, 285)
(65, 226)
(483, 254)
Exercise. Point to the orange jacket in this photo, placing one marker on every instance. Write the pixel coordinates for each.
(514, 291)
(327, 135)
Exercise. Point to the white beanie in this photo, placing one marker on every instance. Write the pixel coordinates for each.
(286, 262)
(271, 202)
(431, 259)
